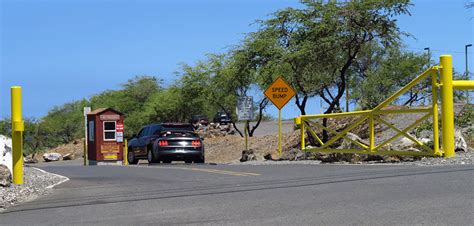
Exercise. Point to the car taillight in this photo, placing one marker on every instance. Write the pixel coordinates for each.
(163, 143)
(196, 143)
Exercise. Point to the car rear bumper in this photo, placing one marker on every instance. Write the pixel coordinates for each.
(180, 154)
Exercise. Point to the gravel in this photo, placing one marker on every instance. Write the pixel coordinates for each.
(461, 158)
(36, 183)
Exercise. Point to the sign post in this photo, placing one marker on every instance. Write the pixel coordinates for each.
(279, 93)
(245, 113)
(87, 110)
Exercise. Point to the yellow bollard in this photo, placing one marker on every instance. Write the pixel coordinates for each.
(125, 153)
(17, 135)
(447, 105)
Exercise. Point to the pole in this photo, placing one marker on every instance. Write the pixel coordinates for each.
(125, 152)
(87, 110)
(434, 100)
(279, 132)
(467, 71)
(246, 134)
(17, 134)
(447, 105)
(347, 94)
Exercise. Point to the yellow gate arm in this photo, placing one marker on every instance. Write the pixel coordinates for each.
(463, 84)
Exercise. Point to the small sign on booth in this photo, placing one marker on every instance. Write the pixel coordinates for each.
(105, 140)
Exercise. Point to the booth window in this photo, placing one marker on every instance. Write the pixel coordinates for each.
(109, 131)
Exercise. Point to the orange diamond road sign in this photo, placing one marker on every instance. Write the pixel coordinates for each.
(279, 92)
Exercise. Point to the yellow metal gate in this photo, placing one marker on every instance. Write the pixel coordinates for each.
(444, 83)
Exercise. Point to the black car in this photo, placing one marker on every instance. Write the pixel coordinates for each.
(141, 145)
(177, 145)
(222, 118)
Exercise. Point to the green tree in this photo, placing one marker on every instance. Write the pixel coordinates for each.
(315, 47)
(233, 76)
(378, 73)
(63, 124)
(130, 100)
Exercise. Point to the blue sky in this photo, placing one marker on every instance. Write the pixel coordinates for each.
(60, 51)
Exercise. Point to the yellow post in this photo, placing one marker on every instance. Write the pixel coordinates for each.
(434, 100)
(279, 132)
(447, 105)
(246, 130)
(125, 152)
(303, 145)
(17, 135)
(372, 133)
(85, 152)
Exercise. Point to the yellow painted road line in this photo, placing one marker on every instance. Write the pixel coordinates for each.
(224, 172)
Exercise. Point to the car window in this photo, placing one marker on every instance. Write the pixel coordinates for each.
(177, 128)
(155, 130)
(142, 131)
(145, 131)
(179, 134)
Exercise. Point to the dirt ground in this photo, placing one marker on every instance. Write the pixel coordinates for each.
(229, 149)
(75, 148)
(225, 149)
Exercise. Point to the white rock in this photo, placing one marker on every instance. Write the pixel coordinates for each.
(405, 143)
(425, 140)
(6, 152)
(459, 141)
(5, 176)
(49, 157)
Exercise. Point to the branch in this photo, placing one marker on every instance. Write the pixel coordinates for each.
(262, 106)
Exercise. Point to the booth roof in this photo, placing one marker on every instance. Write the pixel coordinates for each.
(100, 110)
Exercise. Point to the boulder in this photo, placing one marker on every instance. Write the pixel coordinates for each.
(426, 141)
(405, 143)
(248, 155)
(293, 154)
(350, 145)
(69, 156)
(6, 152)
(49, 157)
(459, 141)
(30, 159)
(272, 156)
(5, 176)
(352, 158)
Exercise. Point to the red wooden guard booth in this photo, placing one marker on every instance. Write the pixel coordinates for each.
(105, 137)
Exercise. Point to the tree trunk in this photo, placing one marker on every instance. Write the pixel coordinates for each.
(233, 120)
(301, 106)
(261, 106)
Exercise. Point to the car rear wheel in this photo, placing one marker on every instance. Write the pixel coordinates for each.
(166, 161)
(201, 160)
(151, 157)
(131, 158)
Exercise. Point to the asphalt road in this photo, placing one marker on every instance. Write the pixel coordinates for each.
(256, 195)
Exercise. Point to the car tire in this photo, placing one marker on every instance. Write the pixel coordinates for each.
(151, 157)
(201, 160)
(131, 158)
(166, 161)
(188, 161)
